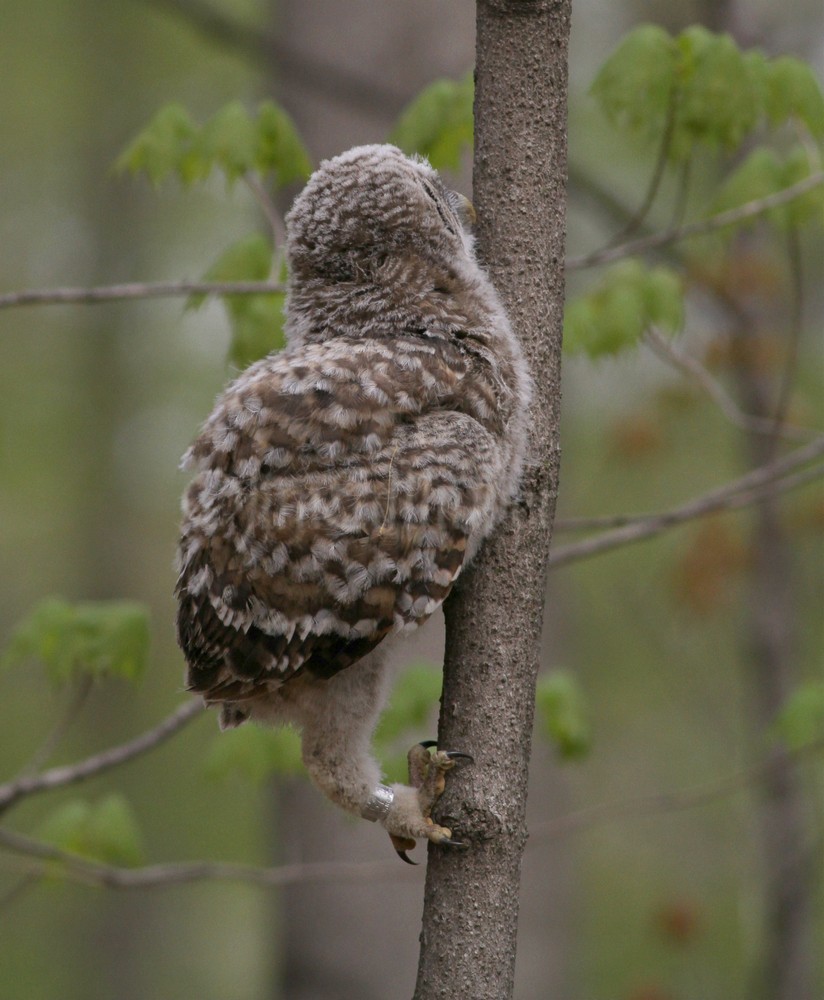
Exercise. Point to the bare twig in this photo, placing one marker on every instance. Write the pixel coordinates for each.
(747, 489)
(332, 82)
(668, 352)
(749, 210)
(147, 290)
(76, 702)
(268, 208)
(136, 290)
(80, 869)
(787, 381)
(667, 802)
(69, 774)
(637, 219)
(89, 872)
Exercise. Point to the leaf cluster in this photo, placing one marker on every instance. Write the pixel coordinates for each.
(256, 321)
(563, 714)
(629, 299)
(702, 90)
(104, 831)
(439, 123)
(233, 141)
(93, 638)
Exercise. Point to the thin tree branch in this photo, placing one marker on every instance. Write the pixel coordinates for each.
(329, 81)
(667, 802)
(693, 368)
(701, 227)
(785, 389)
(267, 206)
(146, 290)
(636, 220)
(90, 872)
(76, 702)
(747, 489)
(136, 290)
(69, 774)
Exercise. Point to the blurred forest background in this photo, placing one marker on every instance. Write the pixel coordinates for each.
(685, 646)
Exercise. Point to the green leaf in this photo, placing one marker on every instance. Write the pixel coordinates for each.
(629, 299)
(413, 702)
(229, 140)
(256, 321)
(719, 93)
(159, 149)
(232, 139)
(279, 149)
(91, 637)
(792, 91)
(635, 84)
(663, 299)
(438, 124)
(801, 720)
(763, 173)
(106, 831)
(255, 753)
(562, 711)
(712, 94)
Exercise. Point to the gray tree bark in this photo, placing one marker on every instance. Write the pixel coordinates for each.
(494, 619)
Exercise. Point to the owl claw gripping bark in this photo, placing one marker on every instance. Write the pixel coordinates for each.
(427, 775)
(342, 485)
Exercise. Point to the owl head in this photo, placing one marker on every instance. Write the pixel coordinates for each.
(368, 207)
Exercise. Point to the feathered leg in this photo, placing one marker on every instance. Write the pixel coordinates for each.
(338, 718)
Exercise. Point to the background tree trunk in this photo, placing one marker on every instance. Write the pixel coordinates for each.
(494, 619)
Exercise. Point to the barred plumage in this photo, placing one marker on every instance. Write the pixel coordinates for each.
(343, 484)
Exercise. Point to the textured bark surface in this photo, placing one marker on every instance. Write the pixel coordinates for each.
(494, 619)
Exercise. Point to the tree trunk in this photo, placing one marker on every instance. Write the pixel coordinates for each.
(494, 619)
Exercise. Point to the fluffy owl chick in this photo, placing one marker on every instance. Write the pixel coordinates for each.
(344, 483)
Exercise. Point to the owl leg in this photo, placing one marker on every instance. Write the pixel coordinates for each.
(337, 718)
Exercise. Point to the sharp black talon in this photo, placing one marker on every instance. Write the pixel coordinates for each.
(455, 843)
(405, 857)
(451, 754)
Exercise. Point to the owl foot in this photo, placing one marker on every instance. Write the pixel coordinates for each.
(427, 777)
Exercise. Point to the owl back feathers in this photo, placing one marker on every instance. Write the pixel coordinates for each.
(342, 485)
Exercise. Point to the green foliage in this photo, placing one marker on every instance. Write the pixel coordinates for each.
(255, 753)
(105, 831)
(562, 712)
(259, 753)
(765, 172)
(98, 638)
(233, 141)
(438, 124)
(635, 84)
(801, 720)
(792, 91)
(256, 320)
(409, 711)
(703, 88)
(630, 298)
(160, 148)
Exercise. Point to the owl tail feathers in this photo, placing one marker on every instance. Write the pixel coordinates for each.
(232, 715)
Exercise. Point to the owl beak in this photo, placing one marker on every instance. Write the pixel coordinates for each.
(466, 210)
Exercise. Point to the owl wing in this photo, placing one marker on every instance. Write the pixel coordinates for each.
(341, 511)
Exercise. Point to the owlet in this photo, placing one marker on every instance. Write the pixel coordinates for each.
(342, 484)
